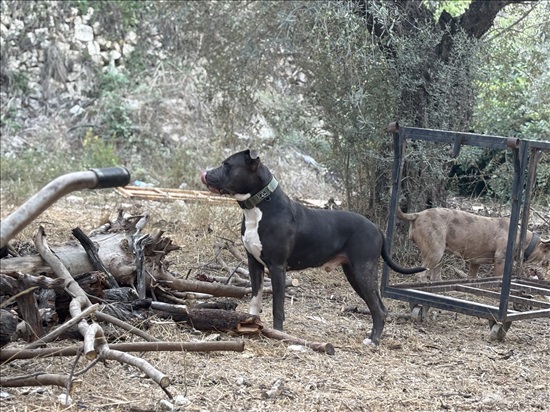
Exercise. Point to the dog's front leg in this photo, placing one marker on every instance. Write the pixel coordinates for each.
(277, 274)
(256, 272)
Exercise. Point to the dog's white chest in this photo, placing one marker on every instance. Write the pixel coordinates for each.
(251, 238)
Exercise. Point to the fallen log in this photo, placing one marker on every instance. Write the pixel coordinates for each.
(74, 258)
(210, 319)
(223, 320)
(14, 282)
(316, 346)
(214, 289)
(8, 355)
(119, 264)
(21, 287)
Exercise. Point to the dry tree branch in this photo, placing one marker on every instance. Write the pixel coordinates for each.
(8, 355)
(67, 325)
(41, 379)
(93, 255)
(13, 298)
(104, 317)
(327, 348)
(94, 339)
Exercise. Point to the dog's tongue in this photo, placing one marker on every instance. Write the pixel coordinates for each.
(212, 189)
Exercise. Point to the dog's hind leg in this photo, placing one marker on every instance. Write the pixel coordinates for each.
(277, 274)
(256, 271)
(431, 259)
(432, 254)
(364, 280)
(474, 268)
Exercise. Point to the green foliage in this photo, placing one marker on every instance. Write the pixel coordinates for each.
(116, 119)
(453, 7)
(30, 170)
(292, 63)
(513, 87)
(111, 81)
(312, 75)
(81, 5)
(177, 166)
(9, 119)
(98, 152)
(116, 16)
(20, 82)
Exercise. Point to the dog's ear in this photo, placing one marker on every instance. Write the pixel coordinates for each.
(254, 159)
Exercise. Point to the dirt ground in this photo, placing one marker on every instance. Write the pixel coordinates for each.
(446, 363)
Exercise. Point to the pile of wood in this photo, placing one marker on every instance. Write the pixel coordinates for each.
(117, 275)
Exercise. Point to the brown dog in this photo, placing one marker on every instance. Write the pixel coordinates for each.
(477, 239)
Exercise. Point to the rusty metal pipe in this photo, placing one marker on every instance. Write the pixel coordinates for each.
(512, 143)
(53, 191)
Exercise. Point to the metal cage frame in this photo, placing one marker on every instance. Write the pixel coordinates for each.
(505, 290)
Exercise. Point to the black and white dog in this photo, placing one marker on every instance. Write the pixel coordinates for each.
(282, 235)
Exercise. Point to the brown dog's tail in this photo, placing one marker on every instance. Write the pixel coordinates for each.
(411, 217)
(394, 266)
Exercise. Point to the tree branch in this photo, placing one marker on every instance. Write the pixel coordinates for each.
(481, 14)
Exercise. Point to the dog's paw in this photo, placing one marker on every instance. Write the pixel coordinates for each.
(368, 342)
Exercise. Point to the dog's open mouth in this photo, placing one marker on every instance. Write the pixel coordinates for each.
(211, 188)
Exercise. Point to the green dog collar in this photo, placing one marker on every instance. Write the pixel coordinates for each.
(260, 196)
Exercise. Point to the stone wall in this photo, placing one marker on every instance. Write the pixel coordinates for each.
(51, 54)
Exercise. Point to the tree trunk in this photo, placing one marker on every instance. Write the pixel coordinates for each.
(420, 105)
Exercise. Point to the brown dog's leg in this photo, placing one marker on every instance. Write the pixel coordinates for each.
(474, 268)
(432, 261)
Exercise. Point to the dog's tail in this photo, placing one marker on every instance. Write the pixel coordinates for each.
(411, 217)
(394, 266)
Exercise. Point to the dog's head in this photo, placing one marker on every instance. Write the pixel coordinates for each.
(541, 253)
(239, 175)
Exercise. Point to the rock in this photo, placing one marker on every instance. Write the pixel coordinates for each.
(94, 51)
(131, 37)
(127, 49)
(76, 110)
(181, 400)
(166, 406)
(88, 15)
(83, 32)
(17, 25)
(65, 400)
(97, 27)
(114, 55)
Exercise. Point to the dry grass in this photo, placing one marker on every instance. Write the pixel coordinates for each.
(445, 363)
